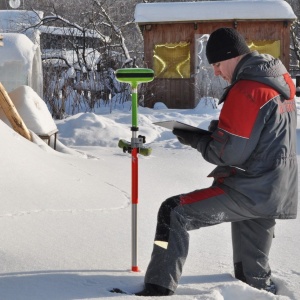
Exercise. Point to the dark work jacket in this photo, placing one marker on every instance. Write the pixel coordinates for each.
(254, 146)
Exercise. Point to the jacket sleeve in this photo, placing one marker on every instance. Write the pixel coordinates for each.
(224, 149)
(242, 120)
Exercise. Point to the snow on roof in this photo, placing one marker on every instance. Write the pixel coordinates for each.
(19, 21)
(213, 10)
(12, 20)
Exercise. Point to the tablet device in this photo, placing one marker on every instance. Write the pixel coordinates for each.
(179, 125)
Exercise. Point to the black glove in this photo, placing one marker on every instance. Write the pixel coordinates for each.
(213, 125)
(187, 137)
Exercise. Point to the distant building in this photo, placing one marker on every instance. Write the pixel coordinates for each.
(66, 37)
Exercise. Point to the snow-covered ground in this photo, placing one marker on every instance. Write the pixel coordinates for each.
(65, 216)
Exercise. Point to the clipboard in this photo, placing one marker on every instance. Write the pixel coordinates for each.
(179, 125)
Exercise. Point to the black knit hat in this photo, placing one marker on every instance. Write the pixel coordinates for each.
(225, 43)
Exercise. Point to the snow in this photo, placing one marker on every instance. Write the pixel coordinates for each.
(20, 62)
(65, 219)
(32, 109)
(16, 60)
(15, 20)
(210, 10)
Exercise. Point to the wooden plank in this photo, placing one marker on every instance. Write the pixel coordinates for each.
(12, 114)
(48, 134)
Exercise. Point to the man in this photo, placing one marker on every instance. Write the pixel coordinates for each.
(255, 181)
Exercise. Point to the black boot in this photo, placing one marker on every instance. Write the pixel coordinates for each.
(271, 287)
(154, 290)
(239, 274)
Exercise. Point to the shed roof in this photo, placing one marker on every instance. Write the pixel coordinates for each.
(164, 12)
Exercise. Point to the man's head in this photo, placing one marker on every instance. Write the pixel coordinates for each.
(224, 49)
(225, 43)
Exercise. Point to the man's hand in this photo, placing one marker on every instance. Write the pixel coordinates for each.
(187, 137)
(213, 125)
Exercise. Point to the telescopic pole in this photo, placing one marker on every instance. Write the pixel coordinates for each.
(134, 181)
(134, 76)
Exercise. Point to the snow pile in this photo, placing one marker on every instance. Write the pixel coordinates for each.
(32, 109)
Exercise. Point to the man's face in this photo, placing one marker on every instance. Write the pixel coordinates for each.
(225, 68)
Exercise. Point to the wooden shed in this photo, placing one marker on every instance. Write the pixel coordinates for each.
(175, 36)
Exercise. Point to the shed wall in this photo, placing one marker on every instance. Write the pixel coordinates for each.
(180, 93)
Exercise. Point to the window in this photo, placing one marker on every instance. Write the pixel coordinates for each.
(267, 46)
(172, 60)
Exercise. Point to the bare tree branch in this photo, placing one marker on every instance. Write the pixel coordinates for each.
(116, 29)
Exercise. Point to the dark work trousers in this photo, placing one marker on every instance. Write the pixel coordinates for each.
(251, 235)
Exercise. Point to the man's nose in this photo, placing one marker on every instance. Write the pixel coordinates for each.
(216, 71)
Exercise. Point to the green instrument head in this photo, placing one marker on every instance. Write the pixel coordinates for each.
(134, 76)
